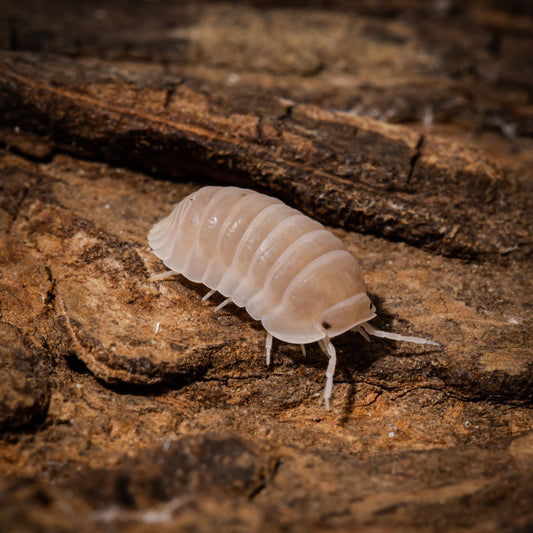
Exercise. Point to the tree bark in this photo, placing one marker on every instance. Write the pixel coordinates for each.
(130, 405)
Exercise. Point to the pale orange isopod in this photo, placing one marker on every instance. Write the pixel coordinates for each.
(285, 268)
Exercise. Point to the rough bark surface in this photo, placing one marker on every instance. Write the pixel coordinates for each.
(129, 405)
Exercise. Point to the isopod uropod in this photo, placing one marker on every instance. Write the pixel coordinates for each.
(285, 268)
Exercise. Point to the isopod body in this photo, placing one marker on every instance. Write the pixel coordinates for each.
(285, 268)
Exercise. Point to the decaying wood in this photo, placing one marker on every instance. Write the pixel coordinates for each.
(129, 405)
(24, 386)
(346, 171)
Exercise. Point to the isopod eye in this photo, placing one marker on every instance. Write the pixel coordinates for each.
(346, 315)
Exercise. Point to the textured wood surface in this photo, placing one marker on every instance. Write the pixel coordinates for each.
(347, 171)
(131, 406)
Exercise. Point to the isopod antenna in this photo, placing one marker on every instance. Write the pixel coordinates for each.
(393, 336)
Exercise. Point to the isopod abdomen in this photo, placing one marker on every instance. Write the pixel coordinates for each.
(283, 267)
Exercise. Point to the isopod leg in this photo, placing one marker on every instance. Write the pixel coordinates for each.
(396, 336)
(225, 302)
(163, 275)
(209, 294)
(268, 346)
(329, 349)
(360, 330)
(302, 347)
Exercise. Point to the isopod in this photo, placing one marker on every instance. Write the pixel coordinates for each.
(285, 268)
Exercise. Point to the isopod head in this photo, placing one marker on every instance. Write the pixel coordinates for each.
(347, 315)
(326, 298)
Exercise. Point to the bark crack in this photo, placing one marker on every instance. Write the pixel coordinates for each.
(267, 478)
(18, 208)
(48, 157)
(259, 129)
(287, 114)
(169, 93)
(415, 157)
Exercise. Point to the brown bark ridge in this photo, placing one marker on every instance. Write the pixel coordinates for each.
(347, 171)
(129, 405)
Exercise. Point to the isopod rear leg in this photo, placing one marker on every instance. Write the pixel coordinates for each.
(163, 275)
(221, 305)
(209, 294)
(268, 346)
(329, 349)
